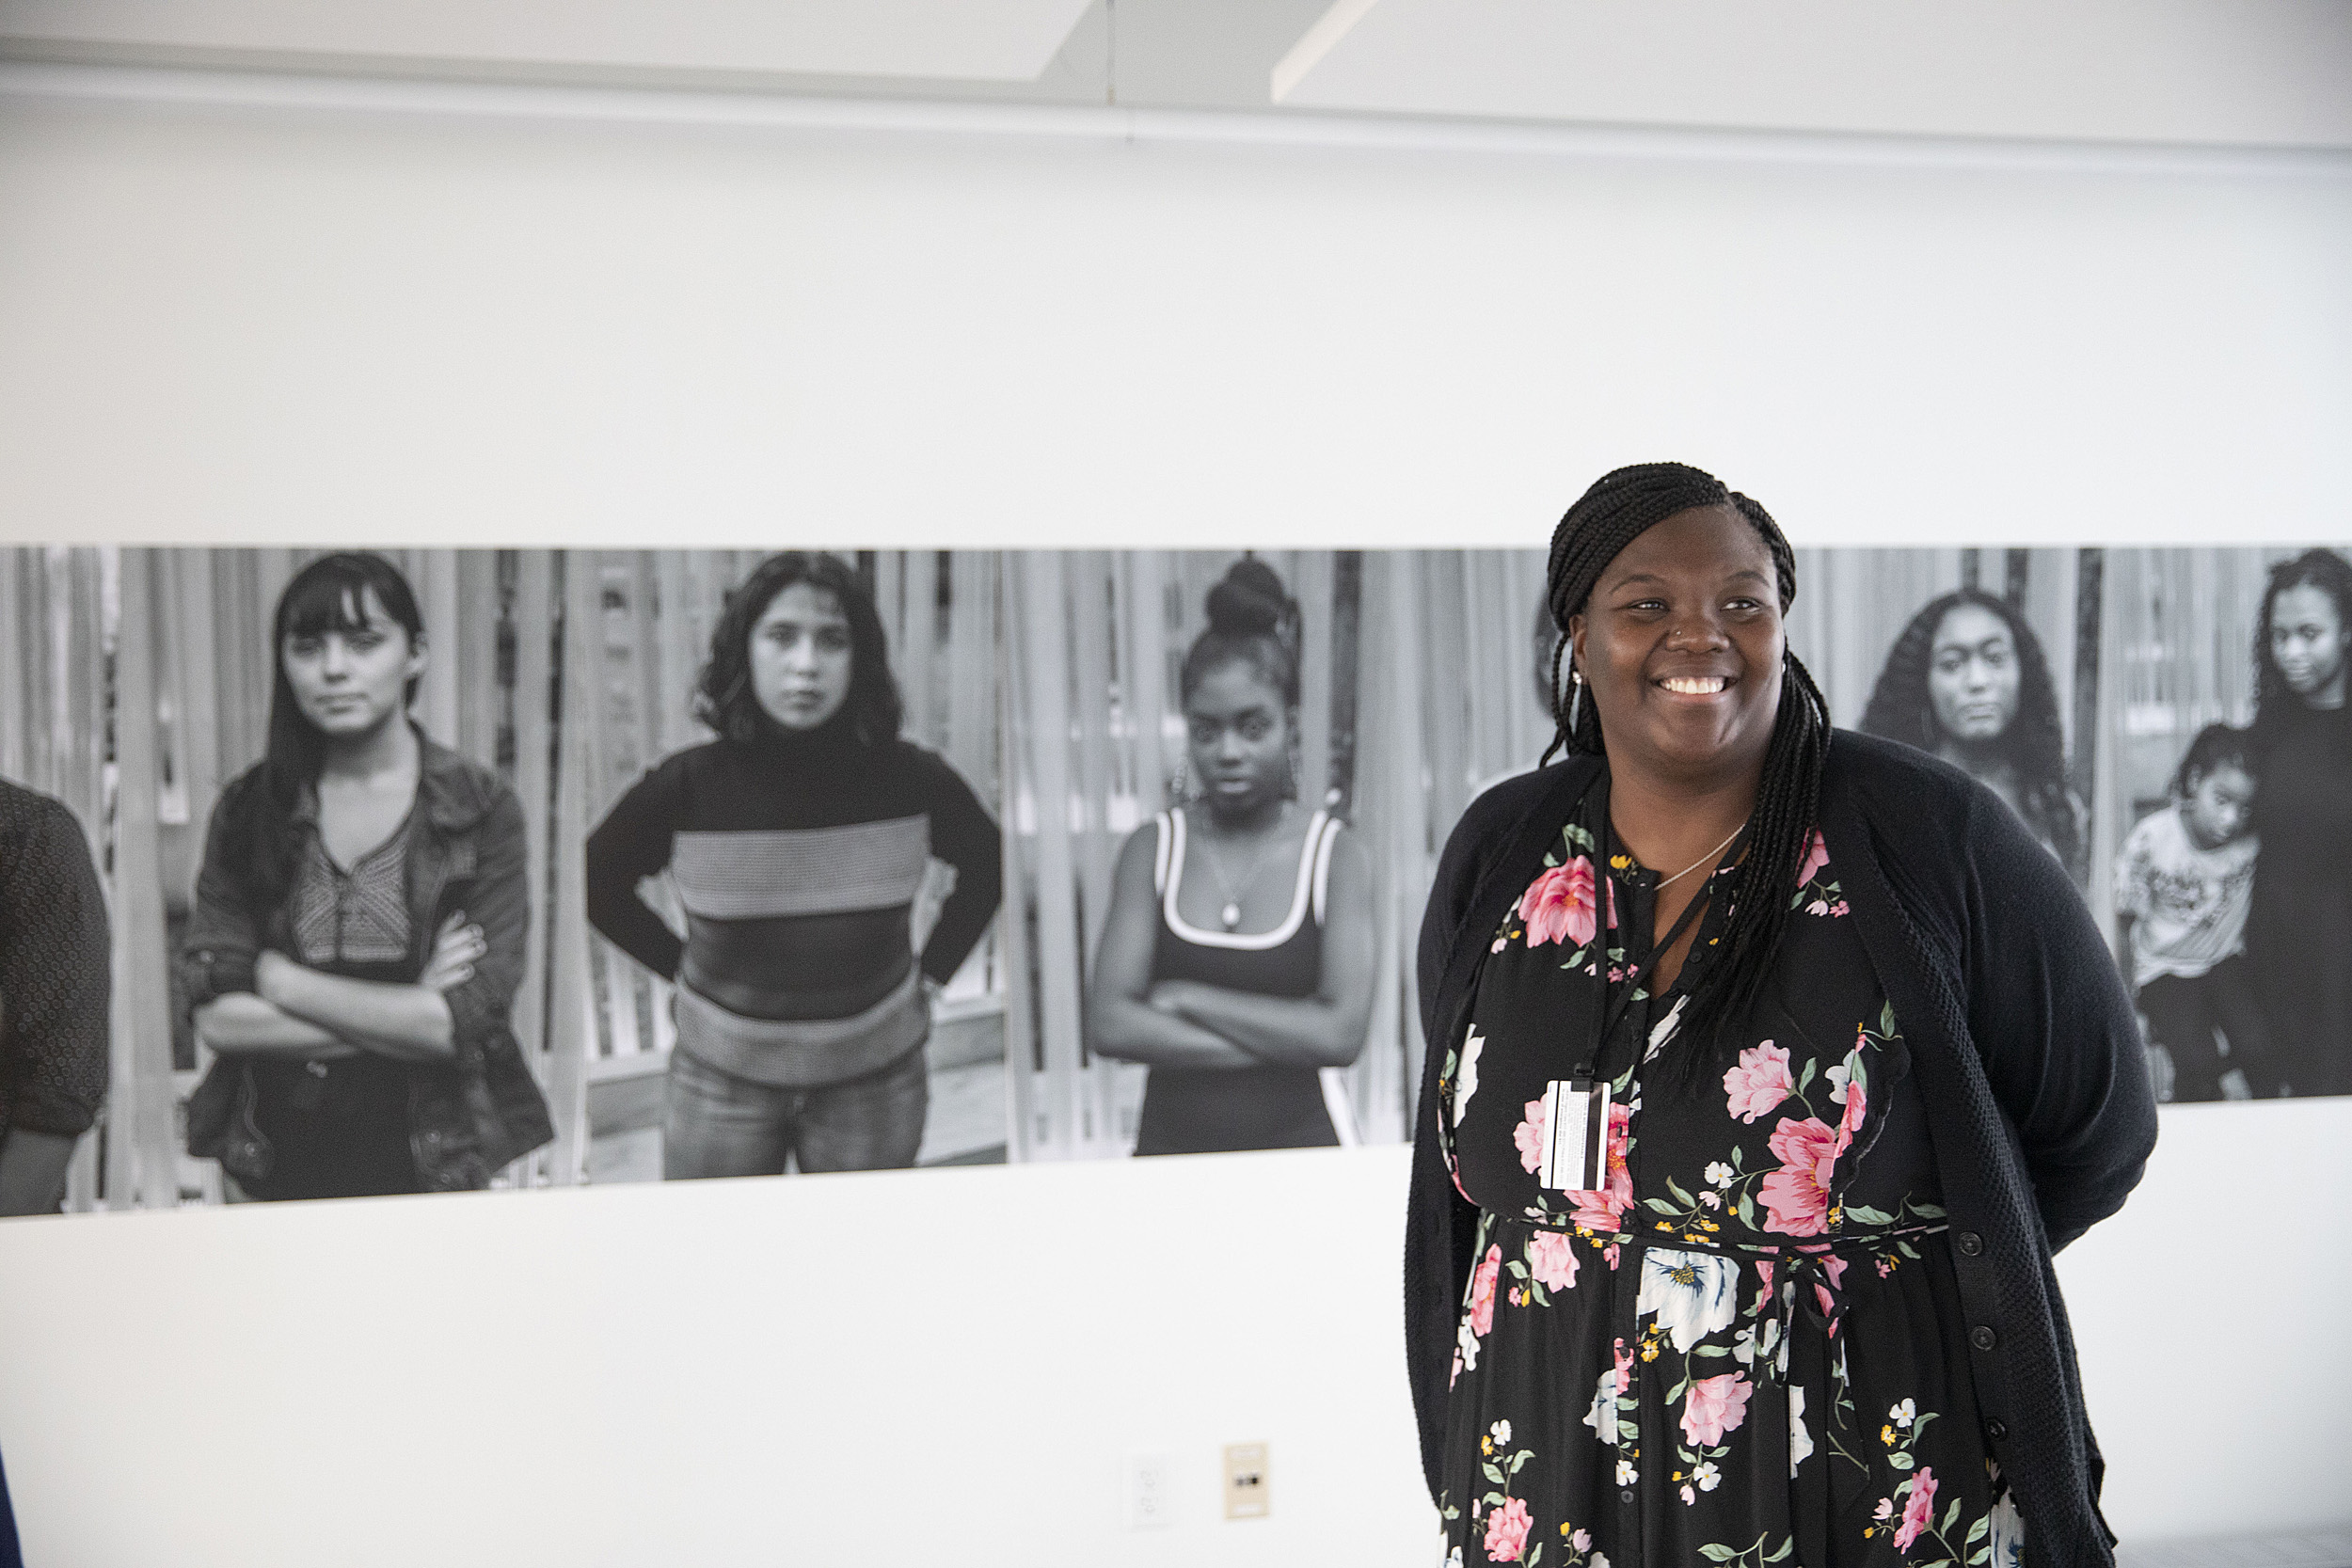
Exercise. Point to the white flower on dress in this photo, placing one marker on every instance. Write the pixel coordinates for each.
(1903, 1415)
(1708, 1477)
(2008, 1534)
(1838, 1076)
(1800, 1440)
(1719, 1175)
(1602, 1417)
(1465, 1074)
(1598, 1560)
(1501, 1430)
(1627, 1474)
(1692, 1292)
(1663, 1030)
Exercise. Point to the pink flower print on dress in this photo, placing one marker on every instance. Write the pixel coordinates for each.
(1506, 1531)
(1796, 1196)
(1857, 1103)
(1816, 856)
(1482, 1311)
(1601, 1210)
(1551, 1260)
(1529, 1135)
(1835, 1267)
(1759, 1083)
(1918, 1511)
(1559, 905)
(1714, 1406)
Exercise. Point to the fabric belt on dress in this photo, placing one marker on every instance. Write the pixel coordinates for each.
(803, 1053)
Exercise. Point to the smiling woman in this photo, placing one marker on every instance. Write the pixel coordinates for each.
(1720, 1243)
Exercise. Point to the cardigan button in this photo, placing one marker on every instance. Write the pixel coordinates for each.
(1995, 1430)
(1983, 1337)
(1971, 1245)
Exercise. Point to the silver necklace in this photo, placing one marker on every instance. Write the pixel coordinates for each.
(1229, 913)
(1704, 858)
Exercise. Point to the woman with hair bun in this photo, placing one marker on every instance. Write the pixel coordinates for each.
(799, 840)
(1767, 1068)
(2299, 928)
(1237, 955)
(1967, 681)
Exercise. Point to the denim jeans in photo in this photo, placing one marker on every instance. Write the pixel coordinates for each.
(718, 1124)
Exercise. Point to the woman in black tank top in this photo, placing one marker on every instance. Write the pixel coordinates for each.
(1237, 955)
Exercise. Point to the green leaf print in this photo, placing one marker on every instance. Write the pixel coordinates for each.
(1868, 1215)
(1977, 1531)
(1493, 1472)
(1783, 1552)
(1714, 1553)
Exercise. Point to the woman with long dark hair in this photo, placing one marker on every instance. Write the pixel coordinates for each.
(360, 925)
(1237, 955)
(2299, 928)
(1766, 1070)
(798, 841)
(1967, 681)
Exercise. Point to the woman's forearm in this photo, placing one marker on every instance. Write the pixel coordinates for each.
(32, 1169)
(1131, 1030)
(1279, 1031)
(242, 1025)
(404, 1021)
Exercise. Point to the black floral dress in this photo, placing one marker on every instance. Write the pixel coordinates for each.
(1748, 1347)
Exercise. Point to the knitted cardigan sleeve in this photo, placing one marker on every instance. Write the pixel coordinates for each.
(2053, 1023)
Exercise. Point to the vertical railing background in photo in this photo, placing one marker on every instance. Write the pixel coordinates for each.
(1395, 649)
(522, 642)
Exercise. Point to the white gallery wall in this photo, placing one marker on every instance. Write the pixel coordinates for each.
(264, 310)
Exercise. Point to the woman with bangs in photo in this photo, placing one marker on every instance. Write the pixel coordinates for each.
(360, 925)
(798, 841)
(1236, 960)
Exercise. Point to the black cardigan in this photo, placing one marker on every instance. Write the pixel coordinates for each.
(2023, 1037)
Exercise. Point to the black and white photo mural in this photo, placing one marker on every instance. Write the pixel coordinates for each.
(343, 873)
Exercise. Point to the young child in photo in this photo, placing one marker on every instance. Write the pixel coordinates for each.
(2182, 884)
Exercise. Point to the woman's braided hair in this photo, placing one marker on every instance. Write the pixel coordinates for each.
(1606, 518)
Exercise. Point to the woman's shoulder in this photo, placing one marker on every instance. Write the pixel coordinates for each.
(459, 793)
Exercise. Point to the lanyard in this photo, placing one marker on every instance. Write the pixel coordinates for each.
(1611, 1015)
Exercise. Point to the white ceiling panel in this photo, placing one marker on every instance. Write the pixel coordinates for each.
(1006, 41)
(2240, 72)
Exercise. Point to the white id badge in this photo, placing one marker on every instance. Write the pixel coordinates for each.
(1576, 1135)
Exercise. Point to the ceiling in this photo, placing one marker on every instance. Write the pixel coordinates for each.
(2226, 72)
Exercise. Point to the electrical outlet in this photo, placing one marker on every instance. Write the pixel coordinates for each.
(1249, 1489)
(1148, 1502)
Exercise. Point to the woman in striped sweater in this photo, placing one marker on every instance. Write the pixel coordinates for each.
(798, 841)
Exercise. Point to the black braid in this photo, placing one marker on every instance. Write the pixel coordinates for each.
(1619, 507)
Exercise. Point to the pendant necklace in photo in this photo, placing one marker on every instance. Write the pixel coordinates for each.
(1229, 902)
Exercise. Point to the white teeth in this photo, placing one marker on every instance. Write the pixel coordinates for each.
(1695, 687)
